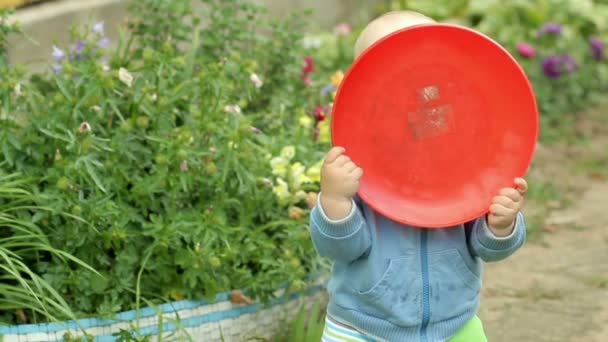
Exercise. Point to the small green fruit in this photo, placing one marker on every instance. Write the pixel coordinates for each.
(142, 121)
(76, 210)
(63, 183)
(161, 159)
(126, 126)
(215, 262)
(148, 55)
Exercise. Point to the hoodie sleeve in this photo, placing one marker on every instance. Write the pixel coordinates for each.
(342, 240)
(489, 247)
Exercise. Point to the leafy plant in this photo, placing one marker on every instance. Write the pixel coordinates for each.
(179, 165)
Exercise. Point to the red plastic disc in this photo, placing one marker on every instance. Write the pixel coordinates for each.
(440, 118)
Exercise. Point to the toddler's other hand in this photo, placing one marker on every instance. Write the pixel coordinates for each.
(339, 183)
(505, 206)
(339, 175)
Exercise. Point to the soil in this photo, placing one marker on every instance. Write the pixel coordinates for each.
(556, 287)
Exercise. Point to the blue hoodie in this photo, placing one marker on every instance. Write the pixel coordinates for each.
(400, 283)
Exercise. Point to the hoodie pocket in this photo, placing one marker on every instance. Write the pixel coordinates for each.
(454, 287)
(396, 297)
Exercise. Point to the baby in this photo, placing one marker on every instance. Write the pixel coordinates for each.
(394, 282)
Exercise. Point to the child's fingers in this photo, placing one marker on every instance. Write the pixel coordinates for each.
(333, 154)
(349, 166)
(341, 161)
(522, 185)
(357, 173)
(500, 210)
(511, 194)
(505, 201)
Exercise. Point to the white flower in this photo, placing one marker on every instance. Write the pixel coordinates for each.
(154, 97)
(184, 166)
(84, 127)
(57, 54)
(17, 90)
(105, 67)
(255, 79)
(96, 109)
(311, 42)
(98, 28)
(125, 77)
(232, 109)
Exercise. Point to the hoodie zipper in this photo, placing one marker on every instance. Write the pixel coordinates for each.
(424, 266)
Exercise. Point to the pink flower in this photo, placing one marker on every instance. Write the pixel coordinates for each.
(526, 50)
(342, 29)
(306, 70)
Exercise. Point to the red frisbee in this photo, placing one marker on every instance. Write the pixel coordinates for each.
(440, 118)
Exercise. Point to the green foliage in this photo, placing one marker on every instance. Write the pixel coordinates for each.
(168, 167)
(24, 295)
(306, 326)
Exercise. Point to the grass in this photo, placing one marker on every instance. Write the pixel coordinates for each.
(306, 326)
(537, 293)
(597, 282)
(22, 290)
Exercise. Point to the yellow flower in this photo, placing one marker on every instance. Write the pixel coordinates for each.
(279, 166)
(281, 190)
(337, 77)
(314, 172)
(324, 131)
(288, 152)
(305, 121)
(298, 176)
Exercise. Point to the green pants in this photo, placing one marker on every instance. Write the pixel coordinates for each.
(470, 332)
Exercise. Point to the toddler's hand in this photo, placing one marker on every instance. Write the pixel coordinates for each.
(505, 206)
(339, 183)
(339, 176)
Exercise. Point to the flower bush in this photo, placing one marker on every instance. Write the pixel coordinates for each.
(178, 165)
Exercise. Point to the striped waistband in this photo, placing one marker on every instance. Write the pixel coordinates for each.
(336, 332)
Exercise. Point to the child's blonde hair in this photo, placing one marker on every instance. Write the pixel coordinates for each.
(386, 24)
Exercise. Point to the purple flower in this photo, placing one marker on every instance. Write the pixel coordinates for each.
(57, 68)
(568, 63)
(553, 28)
(526, 50)
(57, 54)
(551, 67)
(98, 28)
(103, 42)
(555, 66)
(327, 89)
(78, 48)
(597, 48)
